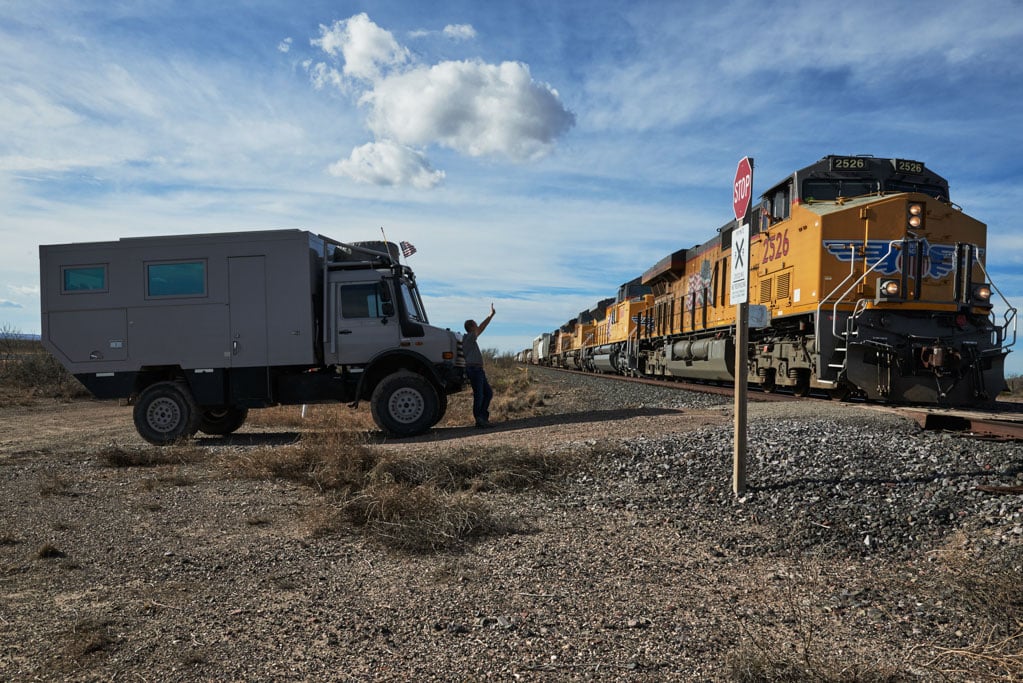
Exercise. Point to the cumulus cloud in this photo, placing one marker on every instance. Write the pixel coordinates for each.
(366, 49)
(388, 163)
(459, 31)
(474, 108)
(470, 106)
(284, 45)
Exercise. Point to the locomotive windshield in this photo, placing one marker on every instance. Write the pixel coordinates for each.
(831, 189)
(837, 176)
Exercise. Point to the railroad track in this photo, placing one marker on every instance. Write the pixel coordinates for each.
(1004, 421)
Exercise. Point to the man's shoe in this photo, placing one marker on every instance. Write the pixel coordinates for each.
(483, 424)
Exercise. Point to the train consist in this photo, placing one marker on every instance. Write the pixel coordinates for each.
(868, 280)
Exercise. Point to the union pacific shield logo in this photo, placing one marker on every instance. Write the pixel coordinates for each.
(939, 259)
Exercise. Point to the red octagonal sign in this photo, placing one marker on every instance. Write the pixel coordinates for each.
(742, 189)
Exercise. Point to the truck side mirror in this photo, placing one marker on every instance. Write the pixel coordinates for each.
(387, 308)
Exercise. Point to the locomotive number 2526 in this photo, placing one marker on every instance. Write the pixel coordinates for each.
(776, 246)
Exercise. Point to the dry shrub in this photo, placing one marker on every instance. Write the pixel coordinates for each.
(417, 518)
(326, 461)
(51, 484)
(181, 453)
(786, 637)
(414, 502)
(48, 551)
(988, 591)
(321, 417)
(28, 371)
(89, 636)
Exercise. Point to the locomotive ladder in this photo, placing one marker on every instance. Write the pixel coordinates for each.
(839, 360)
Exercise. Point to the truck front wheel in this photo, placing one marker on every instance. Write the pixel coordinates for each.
(166, 412)
(404, 404)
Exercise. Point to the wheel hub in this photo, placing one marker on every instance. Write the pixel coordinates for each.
(163, 415)
(406, 405)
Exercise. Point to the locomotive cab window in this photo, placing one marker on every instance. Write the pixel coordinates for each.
(781, 202)
(830, 190)
(935, 191)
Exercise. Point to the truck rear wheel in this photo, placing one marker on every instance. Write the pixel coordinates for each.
(405, 404)
(220, 421)
(166, 412)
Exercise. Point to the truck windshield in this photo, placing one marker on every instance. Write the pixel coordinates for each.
(413, 304)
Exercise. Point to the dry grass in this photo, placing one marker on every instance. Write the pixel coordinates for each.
(988, 592)
(28, 372)
(182, 453)
(413, 502)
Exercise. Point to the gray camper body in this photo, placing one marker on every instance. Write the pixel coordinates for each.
(220, 323)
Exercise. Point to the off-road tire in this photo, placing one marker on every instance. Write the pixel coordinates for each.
(166, 412)
(221, 421)
(405, 404)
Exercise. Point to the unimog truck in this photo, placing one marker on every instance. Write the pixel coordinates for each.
(195, 330)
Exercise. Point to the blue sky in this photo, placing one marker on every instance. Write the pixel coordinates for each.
(536, 153)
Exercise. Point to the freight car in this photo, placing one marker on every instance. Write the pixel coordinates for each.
(875, 283)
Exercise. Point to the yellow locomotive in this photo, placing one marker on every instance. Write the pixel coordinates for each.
(874, 282)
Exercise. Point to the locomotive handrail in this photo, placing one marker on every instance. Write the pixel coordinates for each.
(841, 297)
(862, 277)
(1010, 313)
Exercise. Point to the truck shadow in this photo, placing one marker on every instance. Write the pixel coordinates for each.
(250, 439)
(583, 417)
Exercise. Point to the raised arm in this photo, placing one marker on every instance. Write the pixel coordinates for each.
(486, 321)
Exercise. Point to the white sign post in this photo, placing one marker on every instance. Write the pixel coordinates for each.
(742, 202)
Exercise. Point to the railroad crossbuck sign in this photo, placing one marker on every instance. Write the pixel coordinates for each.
(742, 199)
(740, 264)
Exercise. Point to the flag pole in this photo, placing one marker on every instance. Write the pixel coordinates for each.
(387, 245)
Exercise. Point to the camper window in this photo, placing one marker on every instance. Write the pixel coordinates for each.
(176, 279)
(77, 279)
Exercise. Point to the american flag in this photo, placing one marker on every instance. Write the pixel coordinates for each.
(407, 249)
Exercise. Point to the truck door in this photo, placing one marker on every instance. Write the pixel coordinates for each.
(364, 317)
(248, 311)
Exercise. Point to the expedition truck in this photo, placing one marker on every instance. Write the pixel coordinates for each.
(195, 330)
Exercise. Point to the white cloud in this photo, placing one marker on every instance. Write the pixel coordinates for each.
(367, 49)
(459, 31)
(388, 163)
(474, 108)
(323, 75)
(4, 303)
(284, 45)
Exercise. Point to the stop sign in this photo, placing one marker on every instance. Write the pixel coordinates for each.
(742, 189)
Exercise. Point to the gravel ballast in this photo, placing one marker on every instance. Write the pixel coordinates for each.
(862, 550)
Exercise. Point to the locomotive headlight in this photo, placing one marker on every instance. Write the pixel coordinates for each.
(887, 289)
(982, 294)
(915, 215)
